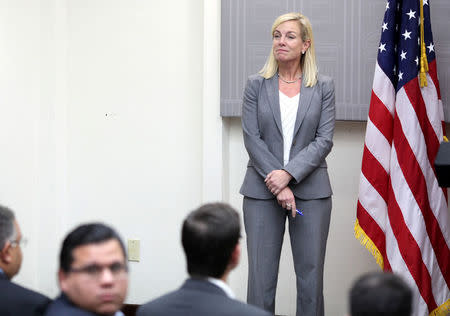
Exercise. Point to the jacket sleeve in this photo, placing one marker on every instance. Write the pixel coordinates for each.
(312, 156)
(260, 156)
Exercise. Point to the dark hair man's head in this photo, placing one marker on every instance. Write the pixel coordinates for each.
(379, 293)
(210, 238)
(93, 271)
(10, 240)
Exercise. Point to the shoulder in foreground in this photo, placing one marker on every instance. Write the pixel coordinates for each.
(26, 295)
(61, 306)
(158, 305)
(198, 303)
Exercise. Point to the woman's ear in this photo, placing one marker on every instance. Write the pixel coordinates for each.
(306, 45)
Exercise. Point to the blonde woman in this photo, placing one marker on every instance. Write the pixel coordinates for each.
(288, 118)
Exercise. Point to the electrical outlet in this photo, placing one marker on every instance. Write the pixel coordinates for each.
(134, 251)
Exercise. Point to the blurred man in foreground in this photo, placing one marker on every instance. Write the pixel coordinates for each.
(379, 293)
(14, 299)
(93, 274)
(210, 238)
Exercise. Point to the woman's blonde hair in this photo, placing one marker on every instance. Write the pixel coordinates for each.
(307, 61)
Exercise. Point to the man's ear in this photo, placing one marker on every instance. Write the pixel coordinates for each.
(5, 253)
(236, 255)
(62, 278)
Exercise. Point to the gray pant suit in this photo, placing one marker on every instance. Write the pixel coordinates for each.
(264, 219)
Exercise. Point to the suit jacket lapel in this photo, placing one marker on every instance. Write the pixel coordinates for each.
(304, 102)
(274, 100)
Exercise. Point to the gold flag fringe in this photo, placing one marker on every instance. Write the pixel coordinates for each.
(369, 244)
(443, 310)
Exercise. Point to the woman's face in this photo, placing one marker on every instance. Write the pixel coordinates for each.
(287, 43)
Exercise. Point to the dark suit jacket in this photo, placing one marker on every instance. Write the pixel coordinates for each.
(16, 300)
(198, 297)
(312, 141)
(63, 307)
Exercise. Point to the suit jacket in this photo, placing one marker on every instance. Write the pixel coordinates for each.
(63, 307)
(198, 297)
(16, 300)
(312, 141)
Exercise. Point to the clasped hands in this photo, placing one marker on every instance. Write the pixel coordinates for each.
(277, 181)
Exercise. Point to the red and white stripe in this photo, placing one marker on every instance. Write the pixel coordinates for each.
(401, 208)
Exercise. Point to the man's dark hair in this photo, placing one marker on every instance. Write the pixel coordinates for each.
(379, 293)
(86, 234)
(209, 236)
(7, 229)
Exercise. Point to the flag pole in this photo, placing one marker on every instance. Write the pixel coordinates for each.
(423, 55)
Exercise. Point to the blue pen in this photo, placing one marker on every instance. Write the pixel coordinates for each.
(299, 212)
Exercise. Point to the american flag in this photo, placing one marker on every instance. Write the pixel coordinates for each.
(402, 213)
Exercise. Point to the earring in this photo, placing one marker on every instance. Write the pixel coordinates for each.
(303, 52)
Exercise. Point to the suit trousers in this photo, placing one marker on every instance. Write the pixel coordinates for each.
(265, 223)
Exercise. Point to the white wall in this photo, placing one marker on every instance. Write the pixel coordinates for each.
(19, 119)
(110, 111)
(102, 113)
(135, 126)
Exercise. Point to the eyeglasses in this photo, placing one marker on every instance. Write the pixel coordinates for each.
(94, 271)
(22, 242)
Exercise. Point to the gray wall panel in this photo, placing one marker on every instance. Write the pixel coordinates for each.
(347, 33)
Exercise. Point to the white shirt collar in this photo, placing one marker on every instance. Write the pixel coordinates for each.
(223, 286)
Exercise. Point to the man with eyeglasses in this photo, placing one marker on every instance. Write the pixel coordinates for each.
(210, 238)
(15, 299)
(93, 274)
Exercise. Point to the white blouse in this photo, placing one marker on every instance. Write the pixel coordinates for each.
(288, 110)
